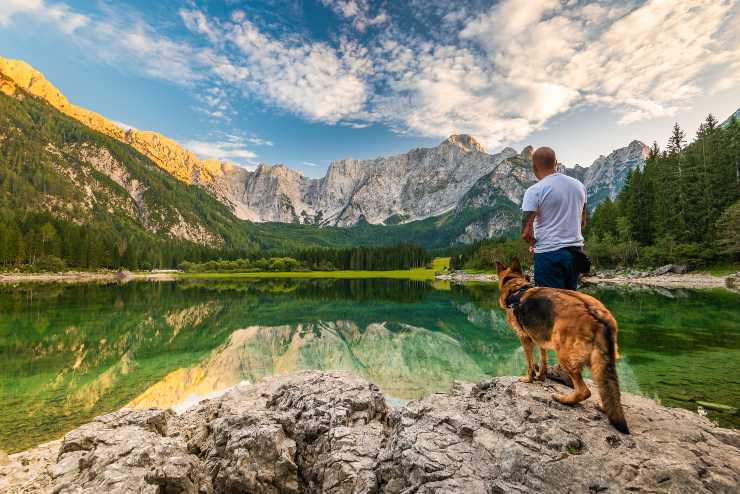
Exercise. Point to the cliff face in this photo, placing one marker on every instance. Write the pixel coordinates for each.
(336, 433)
(397, 189)
(606, 176)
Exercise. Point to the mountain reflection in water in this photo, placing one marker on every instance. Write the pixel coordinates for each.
(73, 352)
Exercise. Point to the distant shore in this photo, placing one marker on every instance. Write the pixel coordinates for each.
(83, 277)
(688, 280)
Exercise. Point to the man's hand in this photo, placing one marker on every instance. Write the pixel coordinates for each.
(527, 222)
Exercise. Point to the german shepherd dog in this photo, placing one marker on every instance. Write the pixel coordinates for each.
(578, 327)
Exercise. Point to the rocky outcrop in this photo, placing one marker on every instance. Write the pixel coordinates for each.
(417, 185)
(606, 176)
(335, 433)
(728, 121)
(732, 281)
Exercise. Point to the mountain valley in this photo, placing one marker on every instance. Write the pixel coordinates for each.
(453, 193)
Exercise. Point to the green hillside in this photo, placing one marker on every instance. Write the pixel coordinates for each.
(72, 194)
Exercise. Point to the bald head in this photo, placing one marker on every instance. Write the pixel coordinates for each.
(544, 162)
(544, 158)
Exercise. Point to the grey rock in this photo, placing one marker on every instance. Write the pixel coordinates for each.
(127, 451)
(733, 281)
(333, 432)
(606, 175)
(311, 432)
(454, 176)
(671, 268)
(416, 185)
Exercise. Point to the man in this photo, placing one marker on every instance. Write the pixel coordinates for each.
(553, 214)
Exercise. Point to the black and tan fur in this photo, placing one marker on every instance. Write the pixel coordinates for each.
(577, 326)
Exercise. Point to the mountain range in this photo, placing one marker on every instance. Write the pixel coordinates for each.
(455, 192)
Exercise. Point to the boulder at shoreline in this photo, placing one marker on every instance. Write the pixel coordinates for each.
(334, 432)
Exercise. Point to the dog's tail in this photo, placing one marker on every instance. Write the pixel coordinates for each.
(604, 371)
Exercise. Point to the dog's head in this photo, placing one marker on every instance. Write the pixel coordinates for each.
(509, 279)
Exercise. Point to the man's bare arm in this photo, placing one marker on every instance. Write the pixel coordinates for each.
(527, 221)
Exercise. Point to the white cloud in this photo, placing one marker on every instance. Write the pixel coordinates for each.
(123, 125)
(231, 148)
(308, 163)
(645, 61)
(358, 11)
(312, 79)
(59, 13)
(260, 142)
(498, 73)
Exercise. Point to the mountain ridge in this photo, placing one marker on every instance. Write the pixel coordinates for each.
(455, 187)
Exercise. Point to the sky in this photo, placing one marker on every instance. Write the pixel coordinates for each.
(305, 82)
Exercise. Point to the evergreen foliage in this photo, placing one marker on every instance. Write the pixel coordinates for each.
(357, 258)
(682, 207)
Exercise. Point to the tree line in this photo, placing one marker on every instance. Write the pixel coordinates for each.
(682, 207)
(357, 258)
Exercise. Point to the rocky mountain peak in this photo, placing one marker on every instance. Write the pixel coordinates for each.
(606, 176)
(527, 152)
(735, 115)
(466, 142)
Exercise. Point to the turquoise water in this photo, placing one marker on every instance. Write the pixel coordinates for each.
(69, 353)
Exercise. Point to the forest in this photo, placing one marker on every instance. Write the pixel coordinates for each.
(357, 258)
(683, 207)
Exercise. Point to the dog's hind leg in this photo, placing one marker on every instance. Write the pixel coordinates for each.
(580, 390)
(528, 347)
(541, 365)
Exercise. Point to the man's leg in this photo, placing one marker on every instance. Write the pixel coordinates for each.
(570, 276)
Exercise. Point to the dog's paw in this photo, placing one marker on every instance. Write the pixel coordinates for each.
(526, 379)
(560, 398)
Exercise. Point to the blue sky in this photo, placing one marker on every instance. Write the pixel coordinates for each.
(306, 82)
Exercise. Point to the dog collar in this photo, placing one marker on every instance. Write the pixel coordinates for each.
(514, 299)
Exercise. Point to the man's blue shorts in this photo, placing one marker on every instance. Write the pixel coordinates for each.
(555, 269)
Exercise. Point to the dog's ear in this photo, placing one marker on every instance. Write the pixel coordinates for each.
(515, 265)
(499, 267)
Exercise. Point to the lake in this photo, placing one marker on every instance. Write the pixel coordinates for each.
(69, 353)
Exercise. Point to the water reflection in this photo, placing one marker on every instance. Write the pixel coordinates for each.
(70, 353)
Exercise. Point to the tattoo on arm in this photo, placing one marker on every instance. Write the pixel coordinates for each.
(527, 218)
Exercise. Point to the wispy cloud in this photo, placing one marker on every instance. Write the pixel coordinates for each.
(123, 125)
(260, 142)
(59, 14)
(497, 72)
(225, 147)
(308, 163)
(358, 11)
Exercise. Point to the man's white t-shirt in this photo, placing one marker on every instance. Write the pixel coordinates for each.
(559, 201)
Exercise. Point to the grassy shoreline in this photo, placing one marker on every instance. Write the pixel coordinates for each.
(414, 274)
(439, 264)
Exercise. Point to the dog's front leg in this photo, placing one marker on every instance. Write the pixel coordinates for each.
(542, 365)
(528, 346)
